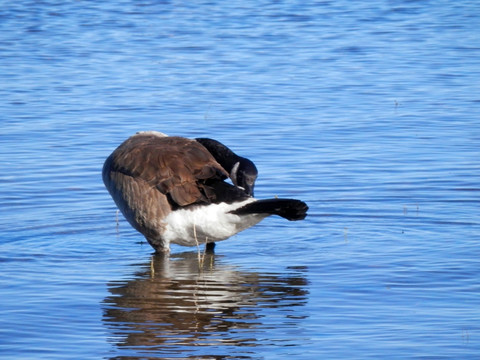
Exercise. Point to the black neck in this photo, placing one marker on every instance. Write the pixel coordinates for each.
(224, 156)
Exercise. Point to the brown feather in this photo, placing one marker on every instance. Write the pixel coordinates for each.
(148, 175)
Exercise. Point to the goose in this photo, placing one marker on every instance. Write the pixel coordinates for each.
(173, 190)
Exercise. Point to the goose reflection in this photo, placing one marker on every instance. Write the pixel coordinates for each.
(177, 302)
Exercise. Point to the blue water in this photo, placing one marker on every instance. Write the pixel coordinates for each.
(368, 111)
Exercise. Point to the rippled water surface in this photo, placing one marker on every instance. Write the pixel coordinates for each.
(367, 111)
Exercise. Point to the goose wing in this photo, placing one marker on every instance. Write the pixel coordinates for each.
(179, 168)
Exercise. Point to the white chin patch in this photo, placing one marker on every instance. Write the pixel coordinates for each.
(233, 173)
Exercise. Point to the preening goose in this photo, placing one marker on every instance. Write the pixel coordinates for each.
(173, 190)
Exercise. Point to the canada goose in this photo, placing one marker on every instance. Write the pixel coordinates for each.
(172, 190)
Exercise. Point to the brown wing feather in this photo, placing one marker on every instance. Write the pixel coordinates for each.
(143, 206)
(175, 166)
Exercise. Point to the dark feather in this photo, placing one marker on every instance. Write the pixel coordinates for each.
(290, 209)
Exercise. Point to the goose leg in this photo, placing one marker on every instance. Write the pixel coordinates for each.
(210, 247)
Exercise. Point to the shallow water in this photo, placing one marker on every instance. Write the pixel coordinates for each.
(368, 112)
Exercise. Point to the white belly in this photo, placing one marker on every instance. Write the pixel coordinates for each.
(211, 223)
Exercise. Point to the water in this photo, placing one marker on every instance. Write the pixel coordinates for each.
(367, 111)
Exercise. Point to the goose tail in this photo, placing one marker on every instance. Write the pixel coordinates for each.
(290, 209)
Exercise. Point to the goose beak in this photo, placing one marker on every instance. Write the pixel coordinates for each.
(249, 189)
